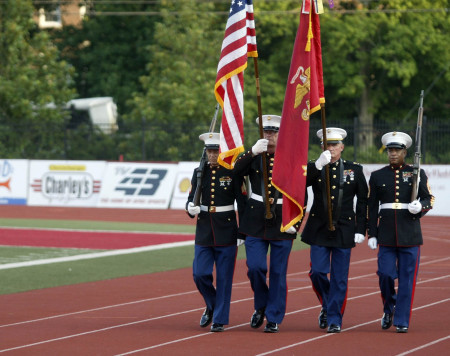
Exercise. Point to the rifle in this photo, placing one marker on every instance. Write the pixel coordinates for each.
(203, 160)
(417, 152)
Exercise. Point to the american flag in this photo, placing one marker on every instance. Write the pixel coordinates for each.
(239, 43)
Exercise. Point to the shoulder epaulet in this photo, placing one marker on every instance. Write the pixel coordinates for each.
(350, 162)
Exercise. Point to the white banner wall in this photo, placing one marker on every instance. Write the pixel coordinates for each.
(182, 184)
(138, 185)
(65, 183)
(13, 181)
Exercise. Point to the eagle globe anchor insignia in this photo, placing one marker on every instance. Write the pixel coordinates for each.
(302, 89)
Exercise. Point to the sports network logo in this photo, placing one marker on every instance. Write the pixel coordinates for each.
(141, 182)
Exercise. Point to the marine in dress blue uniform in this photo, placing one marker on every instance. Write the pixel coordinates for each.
(261, 233)
(330, 251)
(394, 225)
(216, 234)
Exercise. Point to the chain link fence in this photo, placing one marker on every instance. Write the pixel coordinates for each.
(171, 142)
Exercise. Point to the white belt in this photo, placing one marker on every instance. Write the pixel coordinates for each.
(216, 209)
(259, 198)
(394, 206)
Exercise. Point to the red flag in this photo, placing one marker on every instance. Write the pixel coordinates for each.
(304, 94)
(238, 44)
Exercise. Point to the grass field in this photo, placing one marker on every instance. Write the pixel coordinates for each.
(89, 270)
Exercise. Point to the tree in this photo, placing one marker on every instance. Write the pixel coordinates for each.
(108, 49)
(177, 100)
(34, 87)
(374, 57)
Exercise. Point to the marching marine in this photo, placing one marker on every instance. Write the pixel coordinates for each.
(262, 233)
(216, 233)
(331, 250)
(394, 225)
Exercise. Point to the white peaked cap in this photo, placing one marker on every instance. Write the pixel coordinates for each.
(270, 122)
(396, 139)
(334, 134)
(211, 139)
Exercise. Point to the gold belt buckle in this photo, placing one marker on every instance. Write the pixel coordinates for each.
(271, 200)
(396, 205)
(212, 209)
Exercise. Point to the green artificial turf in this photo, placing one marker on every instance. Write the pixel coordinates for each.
(95, 225)
(27, 278)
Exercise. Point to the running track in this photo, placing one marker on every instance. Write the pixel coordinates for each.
(159, 314)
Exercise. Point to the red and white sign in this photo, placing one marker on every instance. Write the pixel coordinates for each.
(65, 183)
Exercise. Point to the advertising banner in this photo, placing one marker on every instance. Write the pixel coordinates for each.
(182, 184)
(138, 185)
(13, 181)
(65, 183)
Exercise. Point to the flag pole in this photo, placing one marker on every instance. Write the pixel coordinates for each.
(261, 135)
(327, 169)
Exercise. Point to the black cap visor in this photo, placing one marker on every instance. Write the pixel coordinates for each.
(271, 128)
(395, 145)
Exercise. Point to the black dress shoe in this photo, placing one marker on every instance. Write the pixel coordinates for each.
(402, 329)
(323, 319)
(216, 327)
(386, 321)
(271, 327)
(257, 318)
(333, 328)
(206, 318)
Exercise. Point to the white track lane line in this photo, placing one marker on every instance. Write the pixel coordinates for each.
(276, 350)
(424, 346)
(193, 292)
(206, 334)
(345, 330)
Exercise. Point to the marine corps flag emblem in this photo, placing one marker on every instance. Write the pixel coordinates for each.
(304, 94)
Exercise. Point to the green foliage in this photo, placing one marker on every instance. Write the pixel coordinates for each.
(160, 69)
(178, 87)
(392, 52)
(109, 52)
(32, 77)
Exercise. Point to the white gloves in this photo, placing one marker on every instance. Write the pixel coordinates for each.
(291, 230)
(415, 207)
(324, 158)
(192, 209)
(240, 242)
(260, 146)
(359, 238)
(372, 243)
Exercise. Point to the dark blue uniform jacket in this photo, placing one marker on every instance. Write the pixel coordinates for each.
(348, 220)
(220, 187)
(396, 227)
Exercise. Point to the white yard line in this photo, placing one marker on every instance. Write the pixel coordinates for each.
(88, 256)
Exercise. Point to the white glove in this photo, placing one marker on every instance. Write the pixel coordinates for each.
(415, 207)
(291, 230)
(192, 209)
(260, 146)
(359, 238)
(240, 242)
(324, 159)
(372, 243)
